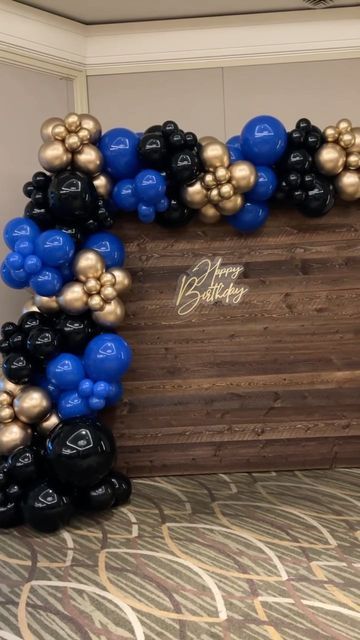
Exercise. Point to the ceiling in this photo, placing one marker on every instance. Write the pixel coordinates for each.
(109, 11)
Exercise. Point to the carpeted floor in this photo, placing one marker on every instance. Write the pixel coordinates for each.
(230, 557)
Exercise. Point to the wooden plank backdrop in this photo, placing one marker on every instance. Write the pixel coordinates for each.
(270, 383)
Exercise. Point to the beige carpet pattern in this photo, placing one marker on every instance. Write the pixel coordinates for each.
(221, 557)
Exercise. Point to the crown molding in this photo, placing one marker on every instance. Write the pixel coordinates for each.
(33, 37)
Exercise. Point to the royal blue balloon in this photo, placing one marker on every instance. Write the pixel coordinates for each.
(32, 264)
(67, 273)
(55, 247)
(101, 389)
(107, 357)
(265, 185)
(71, 405)
(115, 393)
(96, 404)
(14, 261)
(146, 212)
(263, 140)
(110, 247)
(86, 387)
(120, 150)
(25, 247)
(52, 389)
(20, 229)
(65, 371)
(234, 148)
(9, 279)
(250, 218)
(150, 186)
(47, 282)
(124, 195)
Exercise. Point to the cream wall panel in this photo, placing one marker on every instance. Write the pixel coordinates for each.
(323, 91)
(27, 98)
(194, 98)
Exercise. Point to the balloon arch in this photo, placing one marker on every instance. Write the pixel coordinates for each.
(63, 360)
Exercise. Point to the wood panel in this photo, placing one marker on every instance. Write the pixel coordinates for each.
(270, 383)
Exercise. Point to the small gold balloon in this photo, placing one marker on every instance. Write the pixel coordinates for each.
(72, 122)
(242, 175)
(73, 298)
(111, 316)
(29, 306)
(59, 132)
(195, 195)
(103, 185)
(344, 125)
(232, 205)
(214, 154)
(346, 139)
(13, 435)
(47, 126)
(331, 134)
(347, 185)
(48, 424)
(207, 139)
(107, 278)
(46, 305)
(123, 280)
(209, 214)
(226, 191)
(353, 160)
(209, 180)
(356, 145)
(89, 159)
(10, 387)
(92, 124)
(84, 135)
(88, 264)
(32, 405)
(108, 293)
(53, 156)
(96, 303)
(7, 414)
(222, 174)
(330, 159)
(91, 286)
(72, 142)
(214, 195)
(5, 398)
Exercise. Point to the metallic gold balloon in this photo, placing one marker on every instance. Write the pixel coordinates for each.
(6, 398)
(222, 174)
(209, 214)
(353, 160)
(46, 128)
(92, 286)
(13, 435)
(48, 424)
(29, 306)
(214, 196)
(83, 135)
(330, 159)
(92, 124)
(232, 205)
(108, 293)
(112, 315)
(344, 125)
(226, 191)
(331, 134)
(7, 414)
(123, 280)
(10, 387)
(107, 279)
(195, 195)
(347, 185)
(46, 305)
(96, 303)
(103, 185)
(59, 132)
(346, 139)
(72, 142)
(72, 122)
(242, 175)
(53, 156)
(89, 159)
(32, 405)
(214, 154)
(88, 264)
(207, 139)
(209, 180)
(73, 298)
(356, 145)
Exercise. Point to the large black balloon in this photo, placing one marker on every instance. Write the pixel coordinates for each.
(80, 452)
(177, 215)
(319, 199)
(23, 465)
(43, 343)
(72, 197)
(122, 487)
(76, 331)
(17, 367)
(97, 498)
(31, 320)
(46, 509)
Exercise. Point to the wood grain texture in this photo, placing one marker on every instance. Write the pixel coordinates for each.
(270, 383)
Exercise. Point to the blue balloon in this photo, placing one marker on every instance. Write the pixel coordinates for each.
(47, 282)
(234, 148)
(115, 393)
(265, 185)
(101, 389)
(263, 140)
(86, 388)
(55, 247)
(124, 195)
(32, 264)
(25, 247)
(65, 371)
(7, 276)
(14, 261)
(250, 218)
(120, 150)
(110, 247)
(107, 357)
(150, 186)
(52, 389)
(20, 229)
(96, 404)
(71, 405)
(146, 212)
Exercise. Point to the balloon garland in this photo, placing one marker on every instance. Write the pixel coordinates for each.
(62, 363)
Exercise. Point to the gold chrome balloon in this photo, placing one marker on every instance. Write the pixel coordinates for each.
(89, 159)
(46, 305)
(344, 125)
(13, 435)
(195, 195)
(88, 264)
(232, 205)
(341, 157)
(347, 185)
(214, 154)
(330, 159)
(32, 405)
(331, 133)
(242, 176)
(123, 280)
(53, 156)
(103, 185)
(356, 145)
(92, 125)
(72, 122)
(209, 214)
(73, 298)
(47, 127)
(112, 314)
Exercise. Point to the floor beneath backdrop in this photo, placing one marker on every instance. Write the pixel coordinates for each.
(232, 557)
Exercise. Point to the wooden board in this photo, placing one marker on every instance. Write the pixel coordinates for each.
(269, 383)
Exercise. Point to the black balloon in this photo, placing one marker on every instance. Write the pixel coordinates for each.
(23, 465)
(43, 343)
(319, 199)
(122, 487)
(46, 508)
(97, 498)
(72, 197)
(76, 331)
(14, 492)
(80, 452)
(3, 475)
(31, 320)
(177, 215)
(10, 513)
(18, 368)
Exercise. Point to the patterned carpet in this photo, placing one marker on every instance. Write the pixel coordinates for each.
(228, 557)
